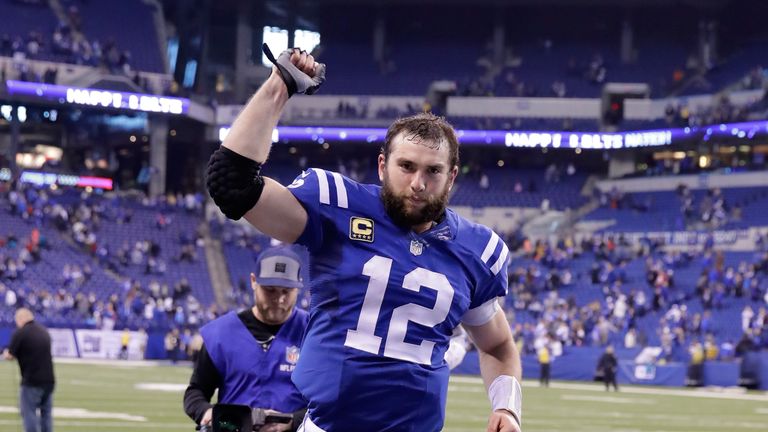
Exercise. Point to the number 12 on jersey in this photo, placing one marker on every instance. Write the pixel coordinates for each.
(378, 269)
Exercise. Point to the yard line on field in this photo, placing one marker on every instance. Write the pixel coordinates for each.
(151, 426)
(161, 387)
(59, 412)
(607, 399)
(707, 394)
(465, 389)
(607, 418)
(84, 383)
(128, 364)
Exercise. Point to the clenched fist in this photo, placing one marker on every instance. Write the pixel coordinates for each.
(298, 69)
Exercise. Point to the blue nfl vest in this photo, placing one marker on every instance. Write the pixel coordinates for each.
(250, 376)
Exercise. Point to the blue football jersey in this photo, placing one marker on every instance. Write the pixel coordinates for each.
(384, 304)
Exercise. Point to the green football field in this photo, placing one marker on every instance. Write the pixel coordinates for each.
(132, 397)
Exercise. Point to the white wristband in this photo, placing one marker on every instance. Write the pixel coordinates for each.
(505, 393)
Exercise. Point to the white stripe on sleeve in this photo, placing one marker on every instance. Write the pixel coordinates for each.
(490, 247)
(341, 190)
(502, 259)
(322, 184)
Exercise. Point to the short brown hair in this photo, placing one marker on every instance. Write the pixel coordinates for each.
(431, 130)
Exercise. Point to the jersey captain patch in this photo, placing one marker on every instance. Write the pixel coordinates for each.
(361, 229)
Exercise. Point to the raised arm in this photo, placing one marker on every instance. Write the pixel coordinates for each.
(234, 179)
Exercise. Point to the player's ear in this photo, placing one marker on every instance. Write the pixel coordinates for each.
(253, 281)
(382, 163)
(452, 176)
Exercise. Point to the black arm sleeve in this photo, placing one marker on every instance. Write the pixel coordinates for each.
(204, 382)
(234, 182)
(14, 344)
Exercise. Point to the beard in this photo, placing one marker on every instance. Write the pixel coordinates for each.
(398, 211)
(274, 315)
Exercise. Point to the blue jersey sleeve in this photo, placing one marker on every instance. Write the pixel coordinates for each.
(319, 191)
(495, 259)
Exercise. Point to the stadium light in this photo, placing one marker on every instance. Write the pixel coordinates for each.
(277, 39)
(306, 39)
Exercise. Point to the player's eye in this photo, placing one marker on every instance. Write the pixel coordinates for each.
(406, 166)
(434, 170)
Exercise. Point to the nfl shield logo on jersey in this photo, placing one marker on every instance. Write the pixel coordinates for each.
(292, 354)
(416, 247)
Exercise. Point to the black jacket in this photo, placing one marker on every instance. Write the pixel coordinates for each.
(31, 345)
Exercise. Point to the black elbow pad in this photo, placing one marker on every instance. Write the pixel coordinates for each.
(234, 182)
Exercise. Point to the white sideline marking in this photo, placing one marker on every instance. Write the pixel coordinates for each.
(80, 413)
(164, 387)
(706, 393)
(110, 425)
(607, 399)
(129, 364)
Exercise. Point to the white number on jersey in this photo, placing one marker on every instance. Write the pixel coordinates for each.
(363, 338)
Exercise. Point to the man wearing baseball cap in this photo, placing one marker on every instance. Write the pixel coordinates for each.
(249, 356)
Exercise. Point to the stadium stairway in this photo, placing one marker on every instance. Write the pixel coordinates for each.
(58, 9)
(217, 266)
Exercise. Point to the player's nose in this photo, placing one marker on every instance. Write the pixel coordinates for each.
(417, 182)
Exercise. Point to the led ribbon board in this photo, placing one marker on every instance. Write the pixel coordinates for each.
(531, 139)
(99, 98)
(40, 178)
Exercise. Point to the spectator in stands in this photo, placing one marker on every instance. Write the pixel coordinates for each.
(727, 350)
(552, 174)
(484, 182)
(558, 89)
(630, 338)
(31, 346)
(746, 344)
(8, 296)
(711, 350)
(746, 317)
(258, 346)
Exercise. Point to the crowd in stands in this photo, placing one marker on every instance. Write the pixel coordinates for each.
(360, 110)
(66, 42)
(595, 291)
(721, 112)
(93, 280)
(505, 79)
(605, 290)
(632, 296)
(710, 210)
(64, 49)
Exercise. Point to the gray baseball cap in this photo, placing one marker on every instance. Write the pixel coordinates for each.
(279, 266)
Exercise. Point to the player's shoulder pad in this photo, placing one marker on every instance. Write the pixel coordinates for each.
(331, 188)
(484, 245)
